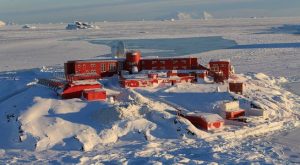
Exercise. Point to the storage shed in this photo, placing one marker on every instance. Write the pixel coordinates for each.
(231, 110)
(206, 121)
(236, 87)
(94, 94)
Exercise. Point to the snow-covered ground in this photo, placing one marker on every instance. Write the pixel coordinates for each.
(139, 127)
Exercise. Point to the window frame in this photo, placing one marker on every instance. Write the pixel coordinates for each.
(103, 67)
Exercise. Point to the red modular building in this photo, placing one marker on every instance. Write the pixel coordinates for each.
(205, 121)
(218, 77)
(186, 69)
(133, 63)
(132, 83)
(75, 89)
(223, 66)
(153, 76)
(151, 79)
(183, 73)
(133, 59)
(93, 69)
(231, 110)
(94, 94)
(235, 114)
(236, 87)
(169, 64)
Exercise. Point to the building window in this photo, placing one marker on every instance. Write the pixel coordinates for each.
(175, 61)
(103, 67)
(120, 66)
(183, 61)
(112, 67)
(93, 65)
(162, 62)
(153, 62)
(214, 69)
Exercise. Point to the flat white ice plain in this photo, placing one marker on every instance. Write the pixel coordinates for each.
(266, 45)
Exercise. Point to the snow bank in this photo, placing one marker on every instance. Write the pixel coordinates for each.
(117, 131)
(49, 131)
(58, 124)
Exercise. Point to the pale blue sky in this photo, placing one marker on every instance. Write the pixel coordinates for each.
(44, 11)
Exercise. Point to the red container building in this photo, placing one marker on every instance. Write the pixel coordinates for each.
(185, 67)
(94, 94)
(153, 76)
(236, 87)
(207, 121)
(223, 66)
(179, 70)
(235, 114)
(231, 110)
(169, 63)
(75, 89)
(95, 69)
(90, 69)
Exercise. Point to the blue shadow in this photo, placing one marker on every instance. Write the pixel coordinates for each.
(284, 29)
(167, 47)
(271, 45)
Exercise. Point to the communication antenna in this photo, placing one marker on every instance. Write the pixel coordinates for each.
(118, 49)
